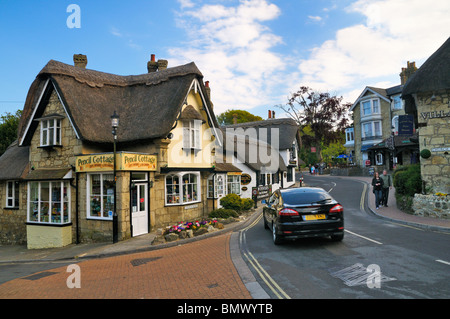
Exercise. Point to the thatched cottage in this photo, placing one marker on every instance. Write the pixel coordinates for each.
(60, 182)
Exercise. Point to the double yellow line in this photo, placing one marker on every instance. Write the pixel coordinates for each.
(274, 287)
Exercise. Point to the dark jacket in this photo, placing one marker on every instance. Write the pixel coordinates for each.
(377, 184)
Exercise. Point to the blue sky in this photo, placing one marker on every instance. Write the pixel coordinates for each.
(255, 53)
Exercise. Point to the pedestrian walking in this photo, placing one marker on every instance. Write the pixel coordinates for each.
(377, 184)
(387, 185)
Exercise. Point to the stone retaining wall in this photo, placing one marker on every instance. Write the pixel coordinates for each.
(432, 206)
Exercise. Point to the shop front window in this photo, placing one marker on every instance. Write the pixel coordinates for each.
(182, 188)
(48, 202)
(100, 196)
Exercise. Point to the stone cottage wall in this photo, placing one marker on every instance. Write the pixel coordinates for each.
(434, 135)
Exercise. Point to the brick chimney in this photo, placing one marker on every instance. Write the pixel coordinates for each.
(208, 92)
(270, 114)
(80, 60)
(153, 66)
(407, 72)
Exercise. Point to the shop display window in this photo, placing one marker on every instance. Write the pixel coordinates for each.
(100, 196)
(48, 202)
(182, 188)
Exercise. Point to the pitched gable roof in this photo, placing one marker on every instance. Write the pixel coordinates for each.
(382, 93)
(433, 75)
(148, 104)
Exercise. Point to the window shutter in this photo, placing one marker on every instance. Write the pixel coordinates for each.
(197, 125)
(186, 135)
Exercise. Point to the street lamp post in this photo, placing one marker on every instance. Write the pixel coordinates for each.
(115, 125)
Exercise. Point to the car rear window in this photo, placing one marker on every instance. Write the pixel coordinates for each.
(301, 197)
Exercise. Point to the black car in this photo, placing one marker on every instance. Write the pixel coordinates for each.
(303, 212)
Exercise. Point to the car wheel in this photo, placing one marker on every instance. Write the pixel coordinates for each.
(276, 238)
(337, 237)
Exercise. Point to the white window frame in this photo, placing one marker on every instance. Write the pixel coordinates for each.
(12, 194)
(349, 135)
(101, 195)
(191, 134)
(183, 188)
(39, 201)
(234, 184)
(52, 123)
(375, 107)
(397, 102)
(219, 186)
(373, 131)
(379, 159)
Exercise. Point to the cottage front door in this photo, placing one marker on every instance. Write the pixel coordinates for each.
(139, 209)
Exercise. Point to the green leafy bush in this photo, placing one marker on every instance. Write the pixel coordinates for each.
(407, 182)
(231, 201)
(223, 213)
(235, 202)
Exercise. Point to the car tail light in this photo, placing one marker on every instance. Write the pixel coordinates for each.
(288, 212)
(336, 209)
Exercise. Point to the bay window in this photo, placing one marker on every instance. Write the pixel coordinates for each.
(371, 130)
(369, 107)
(48, 202)
(182, 188)
(100, 196)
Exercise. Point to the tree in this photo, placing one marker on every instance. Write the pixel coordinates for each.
(325, 115)
(242, 116)
(8, 129)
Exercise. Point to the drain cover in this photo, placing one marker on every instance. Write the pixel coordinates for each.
(359, 275)
(40, 275)
(143, 261)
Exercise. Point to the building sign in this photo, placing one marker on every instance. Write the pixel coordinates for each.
(124, 162)
(405, 125)
(435, 114)
(264, 191)
(245, 179)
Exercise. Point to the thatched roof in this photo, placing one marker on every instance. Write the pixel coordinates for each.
(14, 162)
(148, 104)
(433, 75)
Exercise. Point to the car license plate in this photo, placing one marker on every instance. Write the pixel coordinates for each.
(314, 217)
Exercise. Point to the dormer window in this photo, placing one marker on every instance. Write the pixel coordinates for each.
(50, 131)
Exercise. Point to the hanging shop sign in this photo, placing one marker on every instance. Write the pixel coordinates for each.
(245, 179)
(124, 162)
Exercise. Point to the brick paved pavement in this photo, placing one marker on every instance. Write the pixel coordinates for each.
(172, 273)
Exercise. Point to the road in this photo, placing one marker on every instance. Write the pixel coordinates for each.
(376, 259)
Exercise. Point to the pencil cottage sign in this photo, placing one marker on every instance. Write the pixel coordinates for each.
(125, 162)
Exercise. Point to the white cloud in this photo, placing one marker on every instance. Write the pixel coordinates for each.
(393, 32)
(233, 49)
(315, 18)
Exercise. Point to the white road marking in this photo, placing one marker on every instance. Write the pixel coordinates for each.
(442, 261)
(366, 238)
